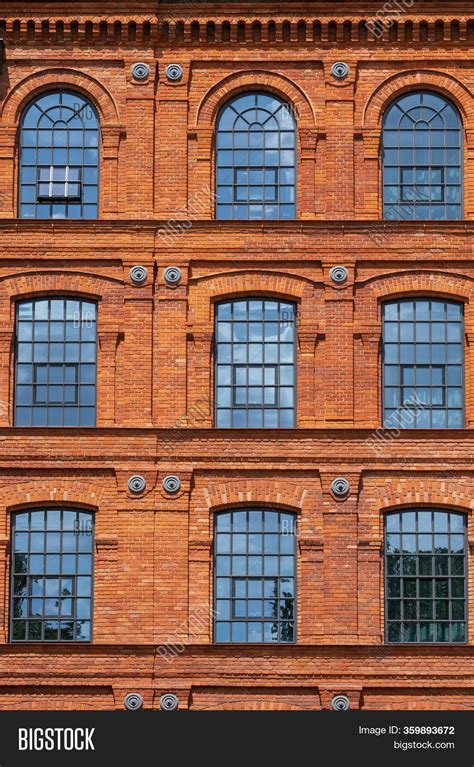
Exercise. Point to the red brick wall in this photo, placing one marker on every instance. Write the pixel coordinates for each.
(153, 564)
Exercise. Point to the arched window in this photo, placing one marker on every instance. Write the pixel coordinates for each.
(425, 576)
(423, 364)
(422, 158)
(59, 158)
(256, 158)
(51, 576)
(255, 576)
(255, 363)
(55, 362)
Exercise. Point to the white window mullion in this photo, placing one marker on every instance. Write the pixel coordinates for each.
(51, 176)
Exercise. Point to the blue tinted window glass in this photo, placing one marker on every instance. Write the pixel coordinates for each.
(55, 370)
(258, 553)
(255, 357)
(423, 364)
(422, 152)
(59, 137)
(47, 585)
(255, 137)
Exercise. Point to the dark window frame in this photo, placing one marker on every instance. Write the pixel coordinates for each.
(253, 405)
(418, 578)
(247, 532)
(81, 515)
(42, 147)
(390, 410)
(405, 205)
(282, 306)
(27, 409)
(240, 193)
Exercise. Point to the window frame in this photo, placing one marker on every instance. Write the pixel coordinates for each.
(247, 365)
(462, 162)
(67, 182)
(233, 168)
(417, 578)
(58, 575)
(49, 364)
(50, 200)
(247, 532)
(414, 365)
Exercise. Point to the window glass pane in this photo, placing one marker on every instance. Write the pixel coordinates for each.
(421, 583)
(257, 390)
(423, 381)
(59, 136)
(265, 126)
(51, 579)
(55, 338)
(257, 582)
(422, 158)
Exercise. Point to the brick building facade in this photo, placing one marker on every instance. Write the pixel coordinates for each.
(153, 560)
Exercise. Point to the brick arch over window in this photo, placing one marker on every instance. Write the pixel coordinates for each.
(105, 290)
(219, 287)
(371, 120)
(260, 80)
(210, 289)
(274, 493)
(263, 81)
(385, 494)
(455, 287)
(16, 494)
(274, 700)
(417, 80)
(110, 130)
(453, 493)
(53, 79)
(375, 290)
(42, 282)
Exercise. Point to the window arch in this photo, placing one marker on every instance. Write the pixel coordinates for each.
(51, 575)
(423, 363)
(55, 362)
(425, 576)
(422, 158)
(255, 363)
(256, 158)
(255, 576)
(59, 157)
